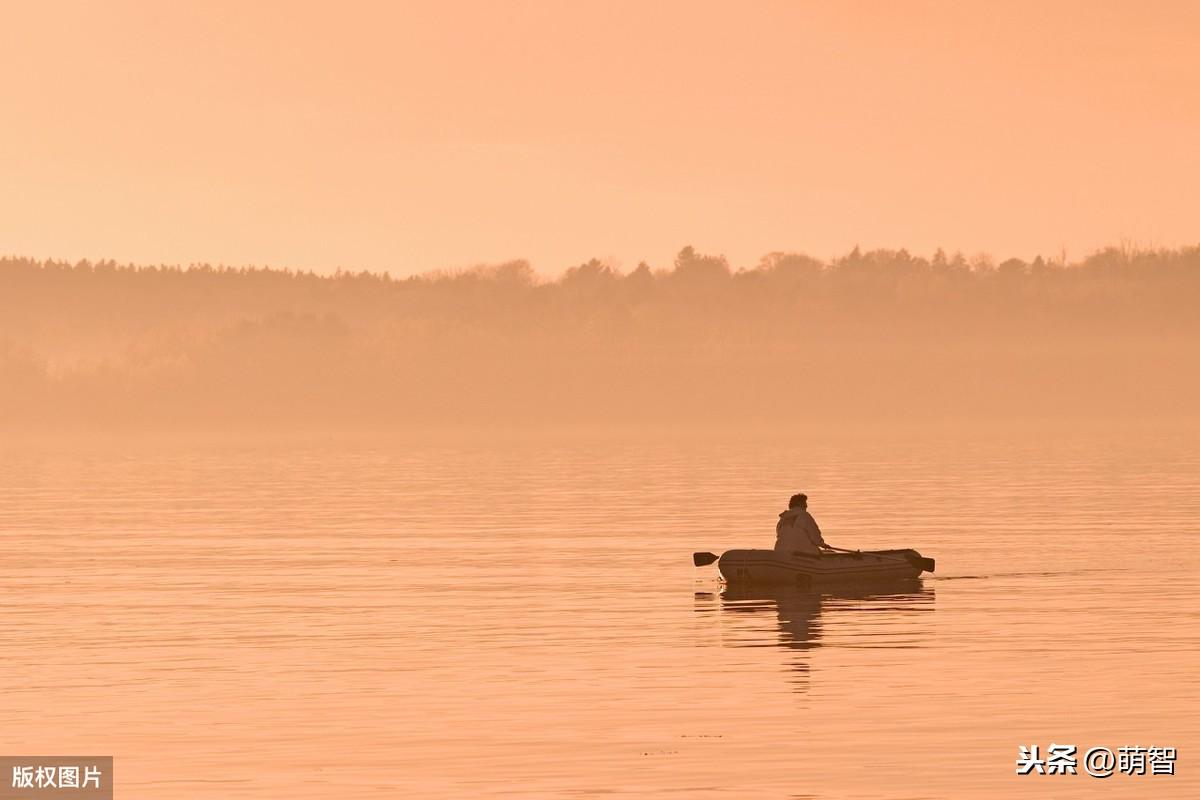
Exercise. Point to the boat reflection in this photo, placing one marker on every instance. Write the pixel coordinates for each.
(878, 616)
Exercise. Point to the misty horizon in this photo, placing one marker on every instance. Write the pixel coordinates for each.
(869, 335)
(980, 260)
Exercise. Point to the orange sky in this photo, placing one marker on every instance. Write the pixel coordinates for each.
(412, 136)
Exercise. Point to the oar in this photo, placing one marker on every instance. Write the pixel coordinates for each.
(860, 552)
(704, 559)
(926, 564)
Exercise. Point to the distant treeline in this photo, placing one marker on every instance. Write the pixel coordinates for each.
(880, 334)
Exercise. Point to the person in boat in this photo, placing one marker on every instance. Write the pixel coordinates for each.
(797, 531)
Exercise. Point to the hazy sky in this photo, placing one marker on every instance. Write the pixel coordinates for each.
(412, 136)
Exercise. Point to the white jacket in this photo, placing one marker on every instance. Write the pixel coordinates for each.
(797, 531)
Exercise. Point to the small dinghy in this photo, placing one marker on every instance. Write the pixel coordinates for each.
(804, 569)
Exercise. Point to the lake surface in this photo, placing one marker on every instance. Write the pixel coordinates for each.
(391, 619)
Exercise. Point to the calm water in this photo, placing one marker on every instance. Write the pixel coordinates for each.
(459, 620)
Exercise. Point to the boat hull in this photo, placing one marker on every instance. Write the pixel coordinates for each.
(772, 567)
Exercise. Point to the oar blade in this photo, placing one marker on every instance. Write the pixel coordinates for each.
(704, 559)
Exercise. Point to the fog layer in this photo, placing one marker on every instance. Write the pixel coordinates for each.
(873, 336)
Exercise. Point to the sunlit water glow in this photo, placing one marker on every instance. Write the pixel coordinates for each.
(496, 621)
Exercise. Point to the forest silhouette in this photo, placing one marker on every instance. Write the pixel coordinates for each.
(879, 335)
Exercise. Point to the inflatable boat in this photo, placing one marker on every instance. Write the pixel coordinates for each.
(804, 569)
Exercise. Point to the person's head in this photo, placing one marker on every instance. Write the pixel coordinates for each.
(798, 501)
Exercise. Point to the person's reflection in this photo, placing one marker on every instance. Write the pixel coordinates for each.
(803, 617)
